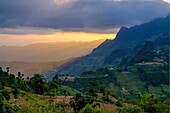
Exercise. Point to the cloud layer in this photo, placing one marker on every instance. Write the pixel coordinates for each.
(77, 15)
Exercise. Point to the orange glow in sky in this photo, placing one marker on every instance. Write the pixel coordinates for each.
(6, 39)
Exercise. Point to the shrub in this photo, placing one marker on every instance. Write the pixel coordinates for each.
(132, 109)
(87, 109)
(101, 110)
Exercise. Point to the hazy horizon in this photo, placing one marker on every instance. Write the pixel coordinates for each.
(23, 40)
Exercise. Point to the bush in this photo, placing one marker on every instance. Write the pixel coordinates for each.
(101, 110)
(87, 109)
(132, 109)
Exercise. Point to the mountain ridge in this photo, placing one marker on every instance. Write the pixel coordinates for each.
(127, 39)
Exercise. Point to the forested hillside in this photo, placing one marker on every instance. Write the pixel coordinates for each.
(115, 78)
(127, 42)
(106, 90)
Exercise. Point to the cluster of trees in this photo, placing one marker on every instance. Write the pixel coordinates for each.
(80, 101)
(154, 75)
(82, 83)
(90, 99)
(147, 53)
(148, 103)
(97, 73)
(36, 84)
(91, 86)
(144, 53)
(148, 74)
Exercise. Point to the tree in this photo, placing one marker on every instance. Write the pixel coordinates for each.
(53, 87)
(80, 101)
(1, 71)
(94, 88)
(19, 74)
(103, 89)
(37, 83)
(15, 93)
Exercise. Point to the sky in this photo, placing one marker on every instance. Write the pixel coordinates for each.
(31, 21)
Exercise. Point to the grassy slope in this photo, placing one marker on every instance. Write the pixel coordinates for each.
(34, 103)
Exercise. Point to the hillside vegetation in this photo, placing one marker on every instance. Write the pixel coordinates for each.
(127, 42)
(123, 89)
(138, 83)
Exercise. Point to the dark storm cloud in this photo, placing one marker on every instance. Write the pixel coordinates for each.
(78, 15)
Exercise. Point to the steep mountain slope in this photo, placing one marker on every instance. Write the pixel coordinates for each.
(111, 52)
(46, 52)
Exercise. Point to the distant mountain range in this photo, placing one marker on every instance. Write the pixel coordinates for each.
(127, 42)
(31, 68)
(44, 57)
(47, 52)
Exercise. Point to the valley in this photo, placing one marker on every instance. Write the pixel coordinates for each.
(129, 74)
(43, 58)
(47, 52)
(30, 68)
